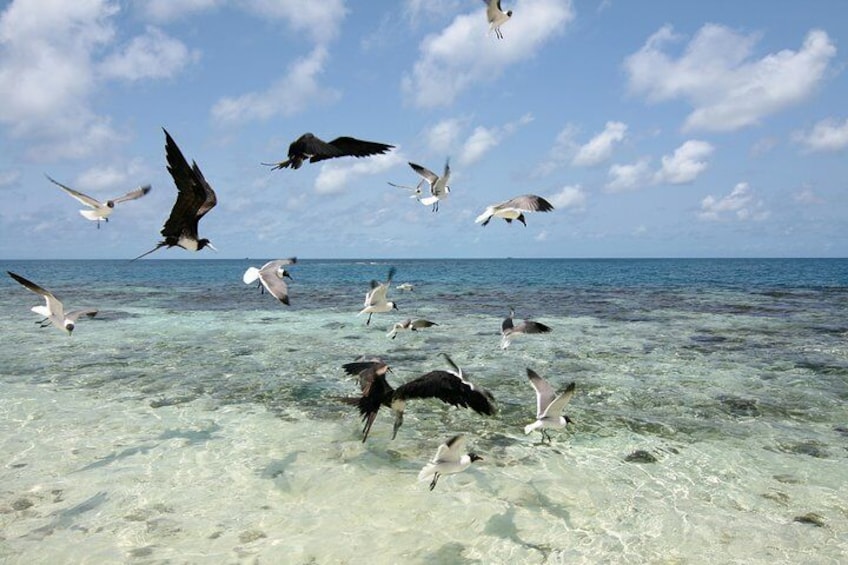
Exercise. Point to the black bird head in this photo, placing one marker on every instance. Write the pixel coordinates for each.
(509, 13)
(474, 457)
(395, 306)
(69, 327)
(201, 243)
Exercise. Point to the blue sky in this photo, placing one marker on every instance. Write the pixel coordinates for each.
(657, 129)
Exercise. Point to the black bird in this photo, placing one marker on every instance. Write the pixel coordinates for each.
(448, 386)
(195, 198)
(509, 330)
(307, 146)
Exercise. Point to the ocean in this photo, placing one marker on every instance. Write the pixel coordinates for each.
(196, 420)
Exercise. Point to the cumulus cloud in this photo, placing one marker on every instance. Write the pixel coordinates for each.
(334, 176)
(630, 176)
(569, 197)
(462, 54)
(289, 95)
(563, 148)
(483, 139)
(152, 55)
(599, 148)
(113, 177)
(444, 135)
(826, 135)
(740, 203)
(685, 164)
(718, 76)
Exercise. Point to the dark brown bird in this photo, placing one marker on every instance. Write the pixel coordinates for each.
(307, 146)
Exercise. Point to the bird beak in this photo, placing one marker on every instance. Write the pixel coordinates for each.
(398, 423)
(212, 247)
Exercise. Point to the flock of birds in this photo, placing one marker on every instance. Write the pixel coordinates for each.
(196, 197)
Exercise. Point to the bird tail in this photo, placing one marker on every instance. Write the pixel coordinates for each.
(505, 341)
(145, 254)
(89, 215)
(426, 472)
(529, 428)
(250, 275)
(281, 165)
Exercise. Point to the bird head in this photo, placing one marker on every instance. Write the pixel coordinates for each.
(69, 327)
(395, 306)
(474, 457)
(110, 203)
(284, 273)
(509, 13)
(568, 420)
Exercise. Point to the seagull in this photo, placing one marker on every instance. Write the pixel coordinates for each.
(375, 299)
(406, 286)
(439, 188)
(416, 190)
(549, 406)
(496, 16)
(195, 198)
(509, 330)
(514, 209)
(271, 276)
(409, 324)
(100, 210)
(449, 459)
(307, 146)
(53, 311)
(448, 386)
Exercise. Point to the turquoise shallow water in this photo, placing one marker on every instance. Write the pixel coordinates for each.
(193, 420)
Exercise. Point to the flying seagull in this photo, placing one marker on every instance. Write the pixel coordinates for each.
(450, 458)
(376, 299)
(100, 210)
(409, 324)
(549, 406)
(448, 386)
(439, 188)
(514, 209)
(406, 286)
(271, 276)
(307, 146)
(195, 198)
(496, 17)
(509, 330)
(53, 311)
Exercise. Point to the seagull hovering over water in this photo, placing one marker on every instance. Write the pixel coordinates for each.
(514, 209)
(406, 286)
(450, 387)
(450, 458)
(376, 300)
(409, 324)
(53, 311)
(100, 210)
(509, 330)
(307, 146)
(271, 276)
(549, 406)
(439, 188)
(195, 198)
(496, 17)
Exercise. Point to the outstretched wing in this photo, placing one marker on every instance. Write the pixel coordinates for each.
(448, 388)
(544, 392)
(428, 175)
(54, 305)
(527, 203)
(352, 147)
(422, 323)
(133, 194)
(451, 450)
(83, 198)
(72, 316)
(195, 197)
(555, 408)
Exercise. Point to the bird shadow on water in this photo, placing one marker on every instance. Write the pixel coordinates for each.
(64, 519)
(503, 526)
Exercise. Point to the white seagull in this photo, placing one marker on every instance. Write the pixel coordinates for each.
(271, 276)
(406, 286)
(100, 210)
(409, 324)
(509, 330)
(376, 301)
(53, 311)
(549, 406)
(496, 17)
(450, 458)
(514, 209)
(439, 188)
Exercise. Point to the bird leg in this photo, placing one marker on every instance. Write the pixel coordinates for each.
(433, 484)
(43, 323)
(368, 321)
(546, 436)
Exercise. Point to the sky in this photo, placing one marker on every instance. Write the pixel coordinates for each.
(656, 129)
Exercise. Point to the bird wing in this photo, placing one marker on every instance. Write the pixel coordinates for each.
(275, 285)
(72, 316)
(83, 198)
(555, 408)
(531, 327)
(272, 266)
(376, 391)
(133, 194)
(528, 203)
(448, 388)
(428, 175)
(544, 392)
(195, 197)
(451, 450)
(356, 367)
(54, 305)
(342, 147)
(422, 323)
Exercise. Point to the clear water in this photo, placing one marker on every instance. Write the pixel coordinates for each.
(194, 420)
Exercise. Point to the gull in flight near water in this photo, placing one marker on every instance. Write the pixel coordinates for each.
(53, 311)
(409, 324)
(450, 387)
(307, 146)
(272, 276)
(439, 188)
(100, 210)
(509, 330)
(514, 209)
(376, 300)
(549, 406)
(195, 198)
(450, 458)
(496, 17)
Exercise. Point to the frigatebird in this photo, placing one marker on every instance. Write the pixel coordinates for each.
(307, 146)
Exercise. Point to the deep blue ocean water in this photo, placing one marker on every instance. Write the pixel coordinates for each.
(194, 419)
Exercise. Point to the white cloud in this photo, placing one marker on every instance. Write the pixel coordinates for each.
(462, 54)
(685, 164)
(807, 196)
(483, 139)
(152, 55)
(599, 148)
(334, 176)
(113, 177)
(740, 203)
(629, 177)
(564, 147)
(572, 197)
(289, 95)
(718, 77)
(444, 135)
(827, 135)
(167, 10)
(322, 20)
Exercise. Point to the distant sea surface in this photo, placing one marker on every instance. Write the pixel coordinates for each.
(196, 420)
